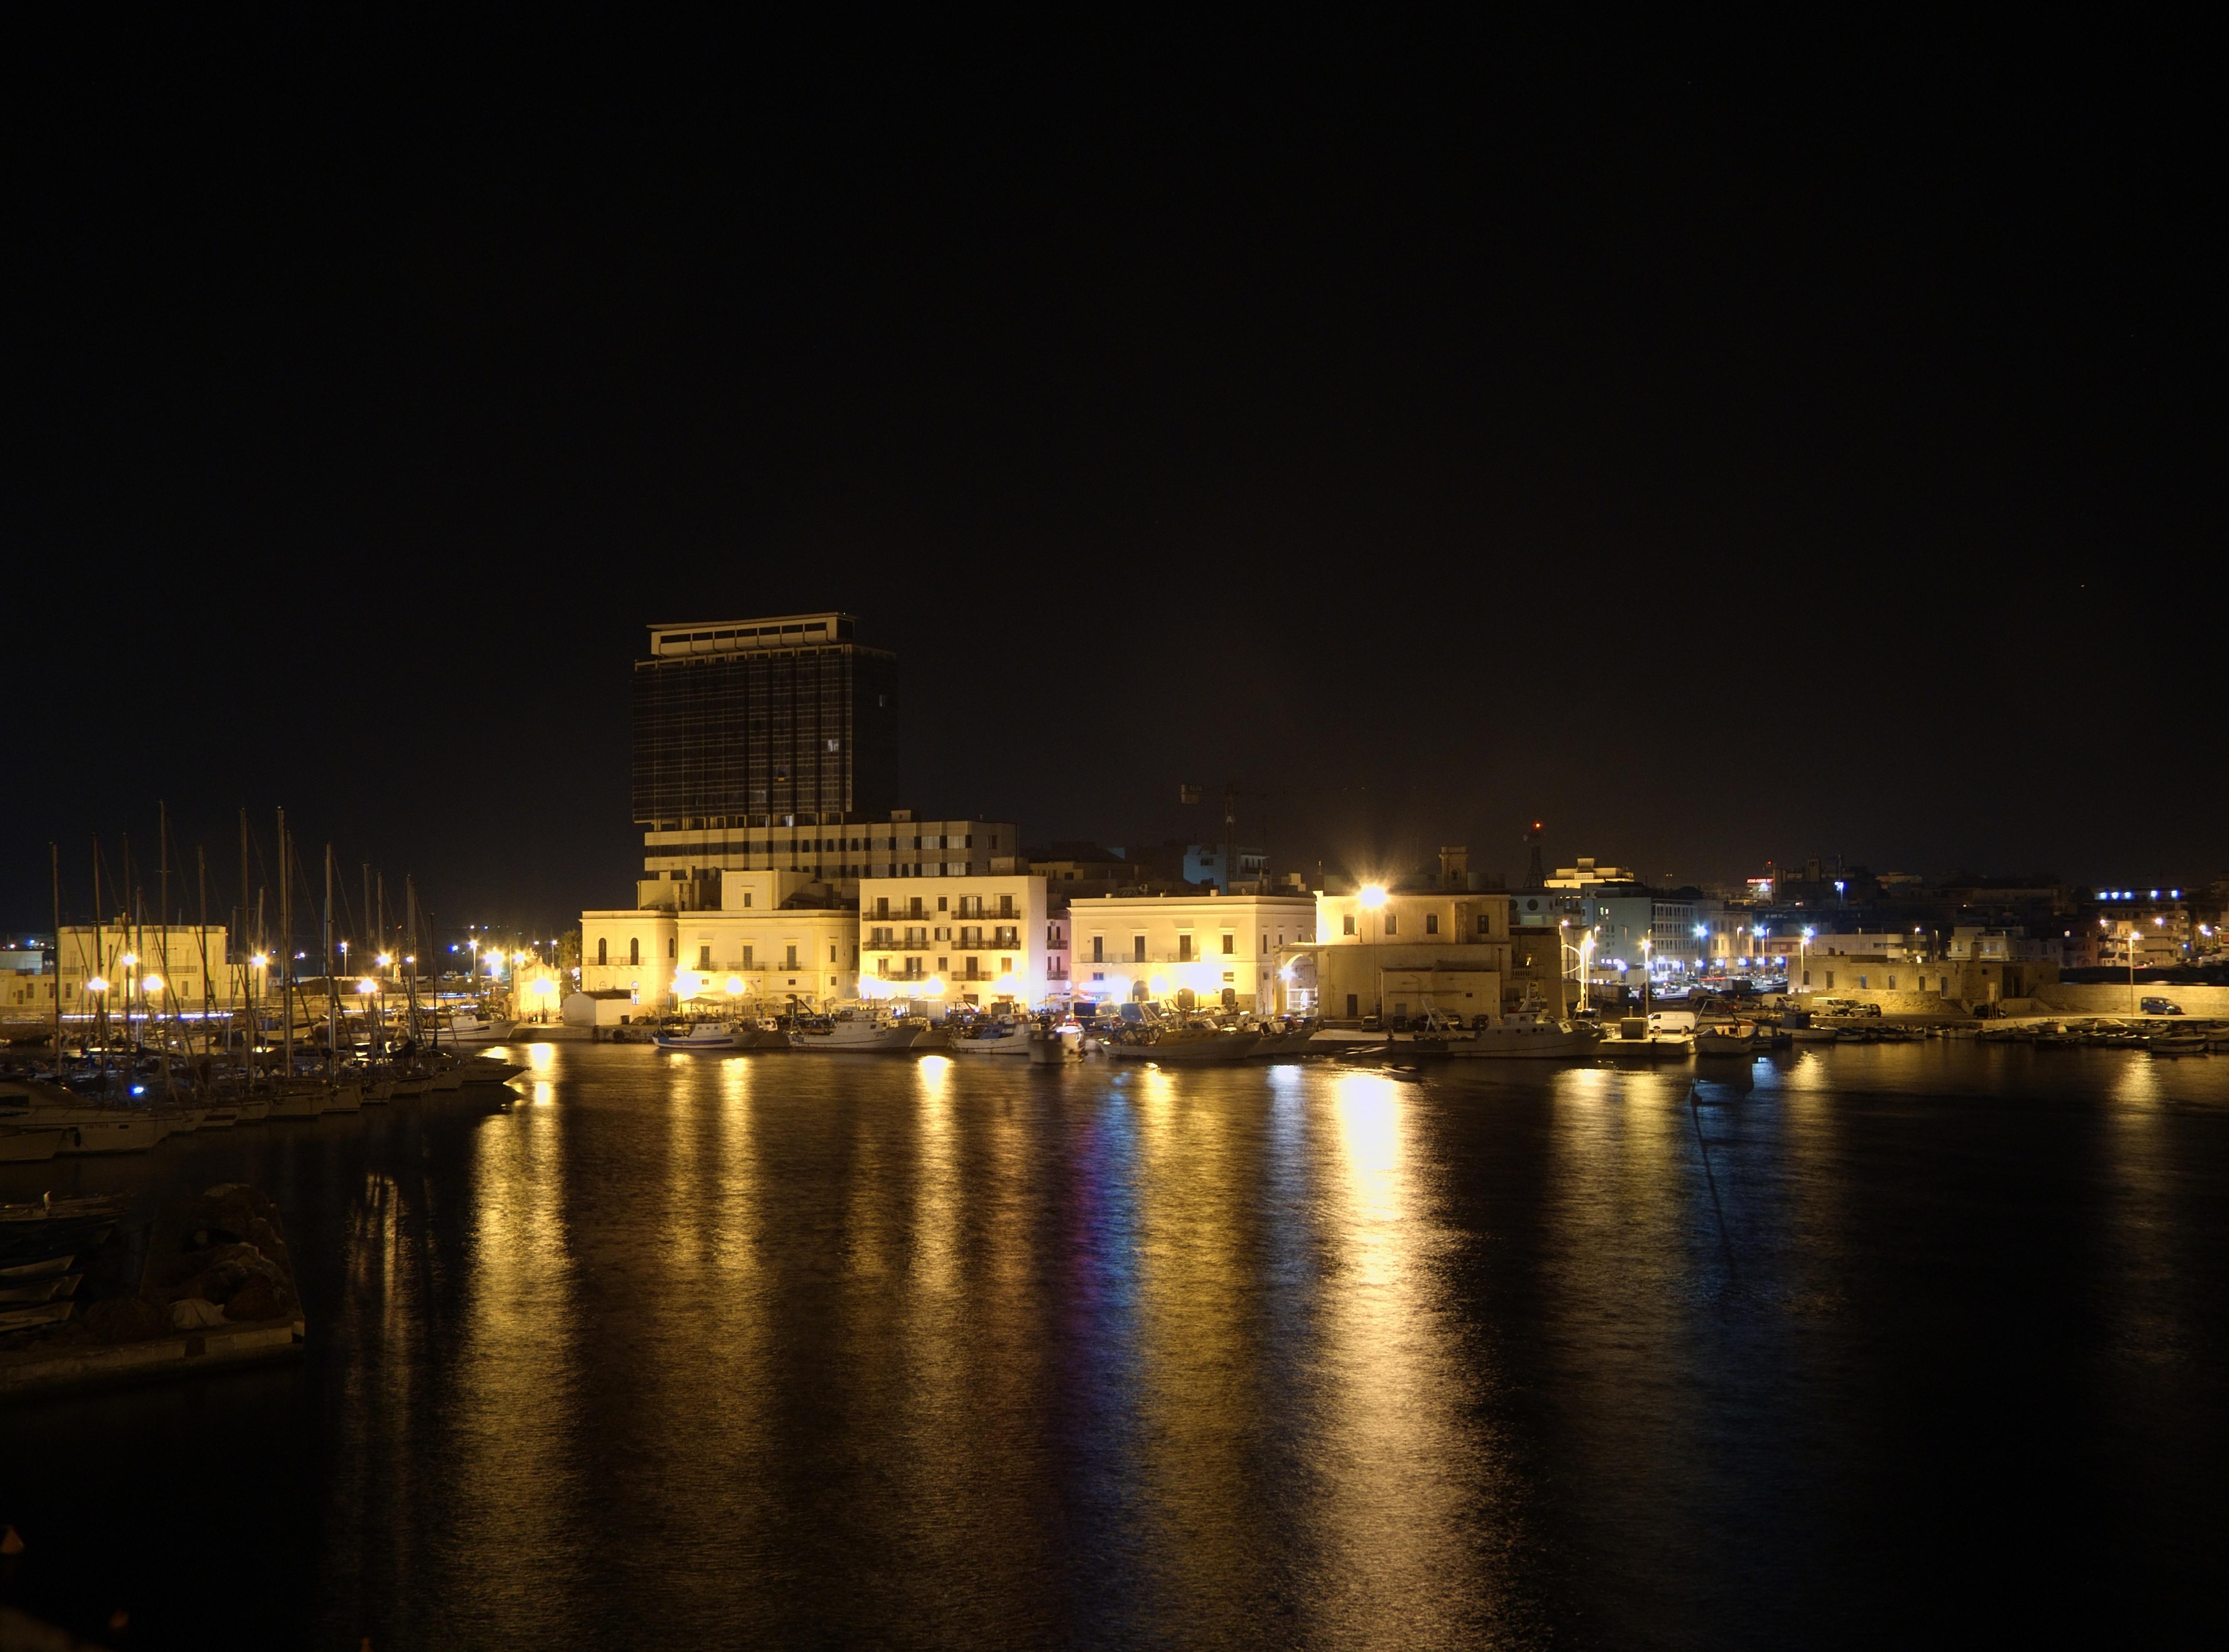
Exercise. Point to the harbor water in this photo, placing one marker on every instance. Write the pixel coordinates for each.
(1853, 1345)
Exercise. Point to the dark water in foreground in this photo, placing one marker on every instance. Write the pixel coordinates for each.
(1881, 1346)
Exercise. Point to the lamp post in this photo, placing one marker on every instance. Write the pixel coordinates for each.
(1648, 941)
(1372, 899)
(1803, 957)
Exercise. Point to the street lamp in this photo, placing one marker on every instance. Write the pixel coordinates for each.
(1803, 955)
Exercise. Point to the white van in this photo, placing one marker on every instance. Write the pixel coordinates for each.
(1671, 1021)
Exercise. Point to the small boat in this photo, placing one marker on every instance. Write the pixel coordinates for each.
(473, 1026)
(297, 1101)
(2176, 1043)
(697, 1035)
(21, 1318)
(1718, 1040)
(46, 1268)
(45, 1288)
(124, 1133)
(486, 1069)
(20, 1146)
(1814, 1034)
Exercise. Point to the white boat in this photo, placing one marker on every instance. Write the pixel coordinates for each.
(470, 1026)
(1718, 1040)
(118, 1133)
(1522, 1035)
(698, 1035)
(987, 1038)
(18, 1146)
(486, 1069)
(857, 1035)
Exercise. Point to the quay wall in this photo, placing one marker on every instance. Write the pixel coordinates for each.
(2099, 998)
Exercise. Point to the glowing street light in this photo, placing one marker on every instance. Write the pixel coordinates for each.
(1373, 897)
(151, 984)
(97, 984)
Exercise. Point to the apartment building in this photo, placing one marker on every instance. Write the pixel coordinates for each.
(977, 938)
(778, 941)
(1186, 949)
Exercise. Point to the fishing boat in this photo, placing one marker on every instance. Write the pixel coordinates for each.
(849, 1033)
(989, 1037)
(697, 1035)
(1720, 1040)
(2176, 1043)
(1522, 1035)
(1194, 1044)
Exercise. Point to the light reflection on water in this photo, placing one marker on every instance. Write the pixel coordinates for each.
(763, 1348)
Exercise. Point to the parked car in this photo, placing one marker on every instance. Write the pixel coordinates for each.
(2159, 1006)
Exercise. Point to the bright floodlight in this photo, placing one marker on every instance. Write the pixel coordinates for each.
(735, 987)
(1373, 897)
(129, 959)
(384, 960)
(151, 984)
(367, 986)
(261, 960)
(98, 984)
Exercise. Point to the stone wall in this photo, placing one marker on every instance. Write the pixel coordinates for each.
(2102, 998)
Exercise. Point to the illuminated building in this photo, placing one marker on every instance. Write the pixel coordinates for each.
(778, 941)
(1400, 952)
(984, 939)
(154, 968)
(1219, 949)
(682, 868)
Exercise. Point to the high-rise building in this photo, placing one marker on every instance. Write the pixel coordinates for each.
(774, 723)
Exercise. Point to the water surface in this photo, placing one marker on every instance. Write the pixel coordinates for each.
(1868, 1344)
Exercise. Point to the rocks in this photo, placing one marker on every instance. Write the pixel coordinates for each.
(126, 1318)
(258, 1299)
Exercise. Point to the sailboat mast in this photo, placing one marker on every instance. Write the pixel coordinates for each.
(333, 987)
(54, 853)
(287, 943)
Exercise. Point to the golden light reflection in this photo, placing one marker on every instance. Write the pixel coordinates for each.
(1400, 1452)
(517, 1358)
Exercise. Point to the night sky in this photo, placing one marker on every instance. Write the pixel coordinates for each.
(1724, 449)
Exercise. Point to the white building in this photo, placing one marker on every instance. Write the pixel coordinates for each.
(682, 866)
(778, 941)
(966, 939)
(173, 970)
(1219, 948)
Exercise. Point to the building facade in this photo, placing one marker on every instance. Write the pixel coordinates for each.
(1203, 949)
(1400, 953)
(776, 944)
(980, 939)
(682, 868)
(167, 970)
(786, 721)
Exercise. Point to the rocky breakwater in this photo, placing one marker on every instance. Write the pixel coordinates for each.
(213, 1286)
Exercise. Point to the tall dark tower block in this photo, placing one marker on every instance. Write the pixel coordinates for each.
(781, 721)
(1536, 877)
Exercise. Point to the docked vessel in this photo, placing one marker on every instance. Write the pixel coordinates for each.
(1521, 1035)
(1193, 1045)
(989, 1037)
(849, 1033)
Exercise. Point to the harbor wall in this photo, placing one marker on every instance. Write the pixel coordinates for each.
(2100, 999)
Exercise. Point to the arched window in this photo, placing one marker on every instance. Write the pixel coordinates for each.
(634, 948)
(602, 950)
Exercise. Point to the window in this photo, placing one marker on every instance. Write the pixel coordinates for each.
(1137, 949)
(1098, 948)
(746, 898)
(940, 902)
(790, 962)
(832, 954)
(746, 957)
(1390, 925)
(1265, 940)
(1485, 924)
(1229, 945)
(1184, 948)
(1807, 978)
(881, 906)
(1005, 906)
(1349, 921)
(1431, 923)
(672, 945)
(1354, 1005)
(602, 950)
(944, 966)
(634, 949)
(704, 956)
(1830, 981)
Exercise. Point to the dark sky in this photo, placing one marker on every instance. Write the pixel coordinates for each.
(1724, 448)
